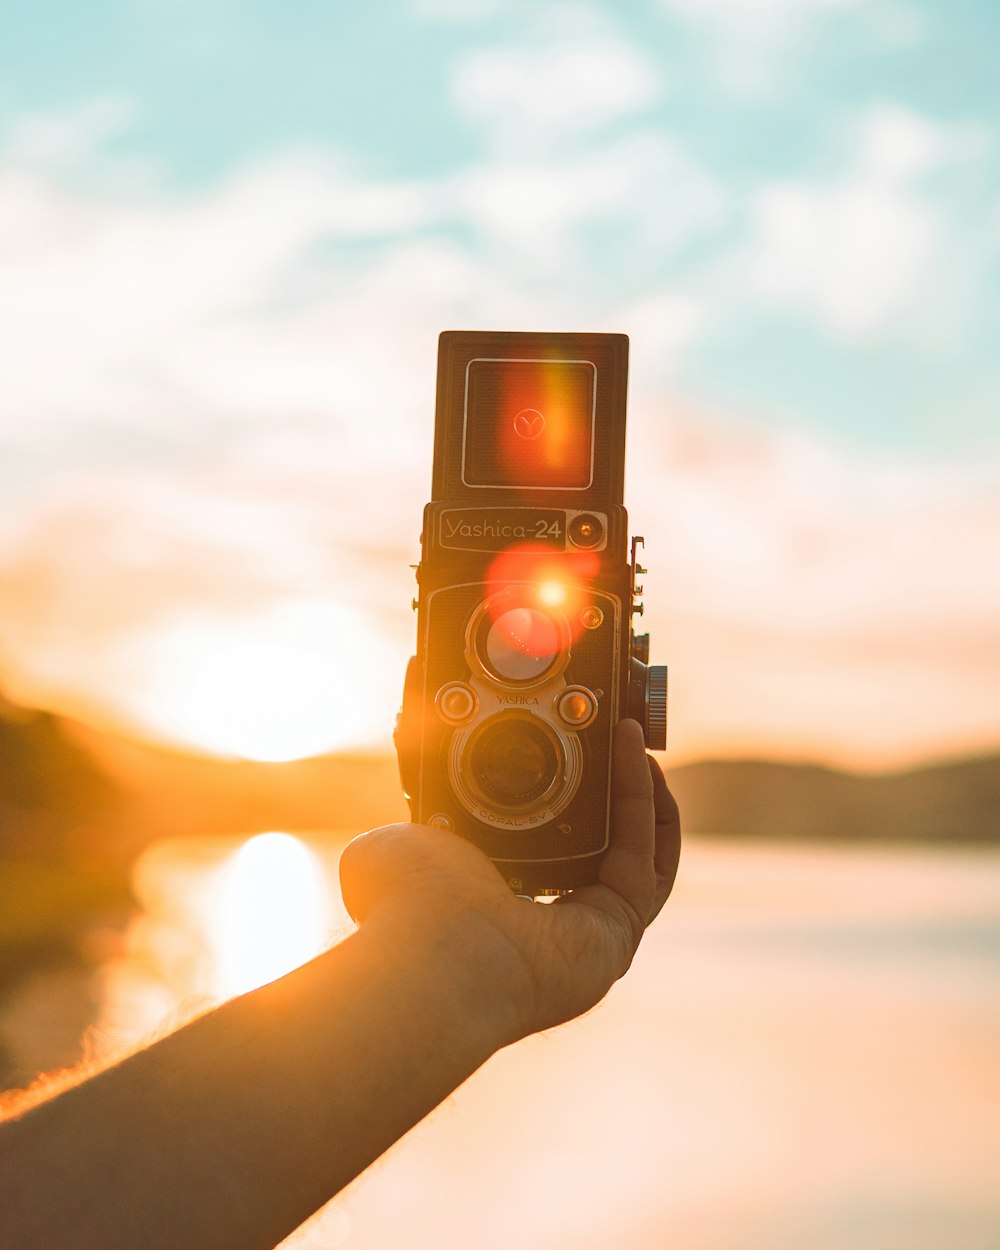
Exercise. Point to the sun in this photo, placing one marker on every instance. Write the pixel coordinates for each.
(292, 684)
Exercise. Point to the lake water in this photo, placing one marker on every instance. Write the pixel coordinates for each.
(806, 1054)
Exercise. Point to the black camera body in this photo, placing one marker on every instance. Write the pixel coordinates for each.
(526, 658)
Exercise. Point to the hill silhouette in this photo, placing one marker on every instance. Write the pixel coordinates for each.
(77, 806)
(951, 802)
(61, 816)
(52, 790)
(67, 789)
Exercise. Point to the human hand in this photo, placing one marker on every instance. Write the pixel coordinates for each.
(235, 1128)
(522, 965)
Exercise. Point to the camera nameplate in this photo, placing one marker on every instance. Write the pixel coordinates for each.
(494, 529)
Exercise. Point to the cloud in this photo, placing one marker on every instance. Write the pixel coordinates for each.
(854, 255)
(754, 42)
(896, 144)
(466, 11)
(180, 314)
(662, 328)
(223, 403)
(552, 89)
(642, 194)
(812, 601)
(773, 16)
(71, 141)
(112, 307)
(867, 252)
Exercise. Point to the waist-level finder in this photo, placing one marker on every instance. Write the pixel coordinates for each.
(526, 657)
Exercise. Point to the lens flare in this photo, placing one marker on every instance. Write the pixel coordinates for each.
(553, 581)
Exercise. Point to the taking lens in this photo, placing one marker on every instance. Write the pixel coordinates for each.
(513, 762)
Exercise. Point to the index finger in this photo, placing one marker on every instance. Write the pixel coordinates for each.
(628, 864)
(667, 851)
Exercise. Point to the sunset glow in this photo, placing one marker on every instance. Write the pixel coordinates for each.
(217, 389)
(279, 688)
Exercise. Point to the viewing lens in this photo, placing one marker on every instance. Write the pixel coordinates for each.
(513, 762)
(522, 644)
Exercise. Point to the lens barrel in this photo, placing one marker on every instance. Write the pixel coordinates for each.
(513, 762)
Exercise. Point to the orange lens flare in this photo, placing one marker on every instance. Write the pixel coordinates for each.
(552, 593)
(544, 582)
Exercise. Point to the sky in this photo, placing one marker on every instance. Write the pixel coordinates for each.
(230, 234)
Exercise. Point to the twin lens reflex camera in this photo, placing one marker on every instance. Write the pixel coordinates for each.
(526, 657)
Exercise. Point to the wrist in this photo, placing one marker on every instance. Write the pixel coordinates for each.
(459, 960)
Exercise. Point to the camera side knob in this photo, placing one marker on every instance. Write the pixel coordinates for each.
(656, 708)
(647, 701)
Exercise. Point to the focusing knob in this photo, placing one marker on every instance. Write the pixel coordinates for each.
(656, 707)
(647, 701)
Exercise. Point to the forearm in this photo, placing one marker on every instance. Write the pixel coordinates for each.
(232, 1131)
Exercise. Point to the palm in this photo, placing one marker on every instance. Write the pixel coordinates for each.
(562, 957)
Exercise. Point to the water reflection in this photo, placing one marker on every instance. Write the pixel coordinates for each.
(804, 1054)
(219, 916)
(273, 913)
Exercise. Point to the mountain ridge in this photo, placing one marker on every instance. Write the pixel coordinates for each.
(65, 786)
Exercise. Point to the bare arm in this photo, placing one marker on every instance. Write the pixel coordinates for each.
(232, 1131)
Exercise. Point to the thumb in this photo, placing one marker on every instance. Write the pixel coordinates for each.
(407, 863)
(369, 868)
